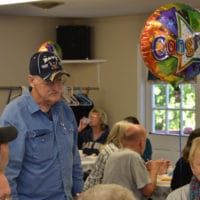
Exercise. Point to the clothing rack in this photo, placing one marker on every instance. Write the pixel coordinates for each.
(11, 89)
(84, 90)
(21, 89)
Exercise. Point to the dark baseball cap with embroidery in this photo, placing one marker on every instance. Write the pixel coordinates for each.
(47, 65)
(7, 134)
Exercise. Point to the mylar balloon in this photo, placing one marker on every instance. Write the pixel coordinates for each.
(51, 47)
(170, 43)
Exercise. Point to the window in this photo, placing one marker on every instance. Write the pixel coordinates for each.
(173, 113)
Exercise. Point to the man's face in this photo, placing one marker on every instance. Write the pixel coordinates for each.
(48, 92)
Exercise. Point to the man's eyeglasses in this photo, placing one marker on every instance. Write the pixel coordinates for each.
(60, 82)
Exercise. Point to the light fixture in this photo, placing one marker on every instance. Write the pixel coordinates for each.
(10, 2)
(45, 4)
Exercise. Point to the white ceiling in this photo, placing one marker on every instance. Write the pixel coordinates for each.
(93, 8)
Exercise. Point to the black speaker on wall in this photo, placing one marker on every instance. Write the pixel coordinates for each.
(74, 41)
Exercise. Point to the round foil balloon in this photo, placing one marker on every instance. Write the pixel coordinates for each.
(170, 43)
(51, 47)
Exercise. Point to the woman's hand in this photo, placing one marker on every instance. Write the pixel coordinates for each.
(84, 121)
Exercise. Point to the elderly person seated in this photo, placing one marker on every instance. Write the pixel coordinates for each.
(107, 192)
(182, 173)
(127, 168)
(190, 191)
(7, 134)
(114, 143)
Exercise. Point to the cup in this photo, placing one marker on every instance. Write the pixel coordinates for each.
(86, 120)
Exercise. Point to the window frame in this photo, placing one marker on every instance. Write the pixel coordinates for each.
(144, 95)
(167, 109)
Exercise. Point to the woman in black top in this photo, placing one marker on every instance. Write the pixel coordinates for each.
(182, 173)
(93, 135)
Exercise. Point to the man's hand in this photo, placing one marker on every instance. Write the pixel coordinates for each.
(4, 187)
(4, 156)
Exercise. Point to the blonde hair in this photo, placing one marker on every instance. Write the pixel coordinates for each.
(107, 192)
(117, 133)
(194, 134)
(102, 115)
(195, 148)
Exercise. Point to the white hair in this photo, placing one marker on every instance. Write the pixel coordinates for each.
(107, 192)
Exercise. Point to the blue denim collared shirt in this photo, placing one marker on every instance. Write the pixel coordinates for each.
(44, 159)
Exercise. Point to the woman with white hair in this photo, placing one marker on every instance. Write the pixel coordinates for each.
(190, 191)
(107, 192)
(114, 143)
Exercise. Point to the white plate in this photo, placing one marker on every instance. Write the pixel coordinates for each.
(162, 183)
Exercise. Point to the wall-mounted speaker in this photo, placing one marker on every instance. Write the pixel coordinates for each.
(74, 41)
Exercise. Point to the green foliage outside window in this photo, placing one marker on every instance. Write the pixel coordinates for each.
(173, 113)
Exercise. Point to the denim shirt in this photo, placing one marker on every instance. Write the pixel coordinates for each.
(44, 159)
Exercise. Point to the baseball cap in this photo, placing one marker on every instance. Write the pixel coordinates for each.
(47, 65)
(7, 134)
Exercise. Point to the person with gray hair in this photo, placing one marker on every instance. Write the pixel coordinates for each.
(191, 190)
(113, 143)
(127, 168)
(107, 192)
(7, 134)
(44, 159)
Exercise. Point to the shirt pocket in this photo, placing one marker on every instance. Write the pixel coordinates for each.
(67, 130)
(40, 145)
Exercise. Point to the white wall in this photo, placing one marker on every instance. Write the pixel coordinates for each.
(115, 39)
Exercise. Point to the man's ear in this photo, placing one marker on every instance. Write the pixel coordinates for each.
(31, 80)
(140, 143)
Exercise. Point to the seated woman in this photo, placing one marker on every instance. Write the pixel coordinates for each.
(107, 192)
(114, 143)
(182, 173)
(93, 135)
(190, 191)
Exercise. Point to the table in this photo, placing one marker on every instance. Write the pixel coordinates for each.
(87, 162)
(162, 187)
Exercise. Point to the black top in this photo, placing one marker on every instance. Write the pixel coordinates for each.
(7, 134)
(182, 174)
(88, 144)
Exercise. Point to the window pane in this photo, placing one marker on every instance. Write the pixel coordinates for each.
(159, 93)
(174, 121)
(160, 125)
(172, 103)
(173, 113)
(188, 121)
(188, 94)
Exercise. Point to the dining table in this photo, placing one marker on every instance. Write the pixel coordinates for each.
(87, 162)
(162, 187)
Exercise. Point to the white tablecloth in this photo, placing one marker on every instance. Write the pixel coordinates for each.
(87, 162)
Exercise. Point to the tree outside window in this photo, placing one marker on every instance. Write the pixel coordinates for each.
(173, 113)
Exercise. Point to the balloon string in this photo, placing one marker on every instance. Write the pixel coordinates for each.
(180, 138)
(180, 143)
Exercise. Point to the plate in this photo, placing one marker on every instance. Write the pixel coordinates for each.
(164, 180)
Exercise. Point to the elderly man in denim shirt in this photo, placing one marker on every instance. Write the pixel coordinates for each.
(44, 159)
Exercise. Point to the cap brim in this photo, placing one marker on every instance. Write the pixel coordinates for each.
(7, 134)
(58, 74)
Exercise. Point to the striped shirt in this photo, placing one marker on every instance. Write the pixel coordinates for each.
(96, 175)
